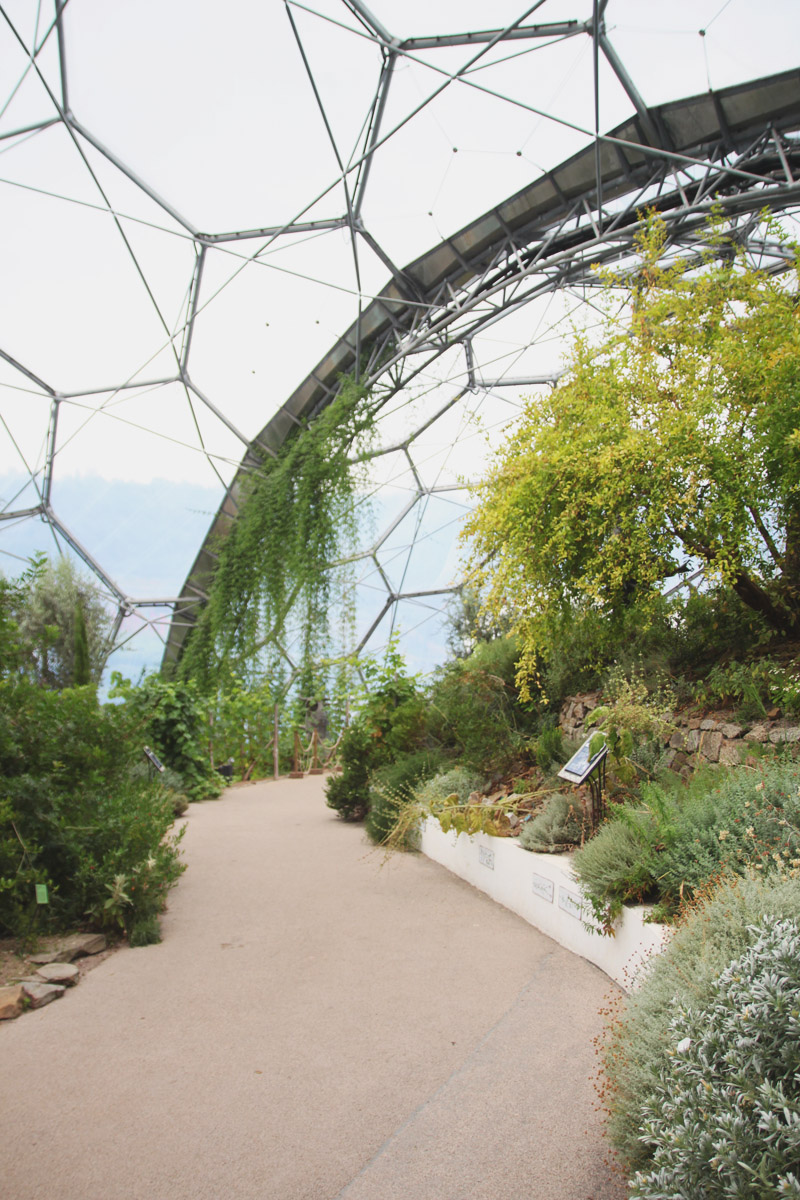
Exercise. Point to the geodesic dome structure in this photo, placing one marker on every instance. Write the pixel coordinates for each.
(211, 218)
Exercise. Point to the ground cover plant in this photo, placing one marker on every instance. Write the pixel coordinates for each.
(561, 824)
(667, 847)
(465, 802)
(723, 1120)
(640, 1043)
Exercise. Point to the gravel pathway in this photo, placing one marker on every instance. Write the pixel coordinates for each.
(316, 1024)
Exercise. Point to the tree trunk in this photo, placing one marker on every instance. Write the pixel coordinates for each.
(782, 614)
(790, 576)
(781, 617)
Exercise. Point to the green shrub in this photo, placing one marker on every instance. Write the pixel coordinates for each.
(561, 823)
(348, 793)
(709, 625)
(683, 632)
(393, 786)
(724, 1118)
(586, 642)
(752, 686)
(747, 685)
(617, 865)
(173, 785)
(717, 930)
(144, 931)
(390, 724)
(785, 688)
(458, 781)
(20, 871)
(635, 720)
(717, 825)
(171, 717)
(169, 780)
(474, 708)
(549, 748)
(88, 823)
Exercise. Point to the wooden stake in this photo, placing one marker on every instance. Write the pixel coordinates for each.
(297, 773)
(275, 751)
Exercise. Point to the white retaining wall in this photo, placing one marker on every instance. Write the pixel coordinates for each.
(542, 890)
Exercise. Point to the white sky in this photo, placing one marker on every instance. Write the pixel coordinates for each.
(212, 107)
(217, 115)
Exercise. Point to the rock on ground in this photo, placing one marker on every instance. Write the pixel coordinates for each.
(12, 1002)
(55, 972)
(39, 993)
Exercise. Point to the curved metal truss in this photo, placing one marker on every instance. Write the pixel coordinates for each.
(424, 341)
(731, 151)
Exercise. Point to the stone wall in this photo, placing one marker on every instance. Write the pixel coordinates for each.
(698, 738)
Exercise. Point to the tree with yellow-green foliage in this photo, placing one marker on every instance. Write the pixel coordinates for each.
(671, 442)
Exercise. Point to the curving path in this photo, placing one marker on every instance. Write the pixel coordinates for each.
(316, 1025)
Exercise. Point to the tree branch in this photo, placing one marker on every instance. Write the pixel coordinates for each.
(766, 535)
(777, 615)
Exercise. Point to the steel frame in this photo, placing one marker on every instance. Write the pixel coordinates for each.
(732, 149)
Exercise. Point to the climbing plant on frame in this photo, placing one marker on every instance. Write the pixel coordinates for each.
(296, 517)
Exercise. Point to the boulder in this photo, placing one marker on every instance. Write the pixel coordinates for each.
(79, 945)
(710, 746)
(730, 755)
(693, 740)
(779, 736)
(759, 733)
(66, 949)
(678, 740)
(64, 973)
(709, 723)
(12, 1002)
(40, 994)
(730, 730)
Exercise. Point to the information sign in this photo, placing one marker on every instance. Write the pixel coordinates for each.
(486, 857)
(582, 763)
(153, 759)
(543, 887)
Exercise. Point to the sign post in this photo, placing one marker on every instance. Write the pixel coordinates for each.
(586, 767)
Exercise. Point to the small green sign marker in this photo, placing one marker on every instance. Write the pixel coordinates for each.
(41, 893)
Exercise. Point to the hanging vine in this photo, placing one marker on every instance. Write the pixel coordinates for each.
(296, 517)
